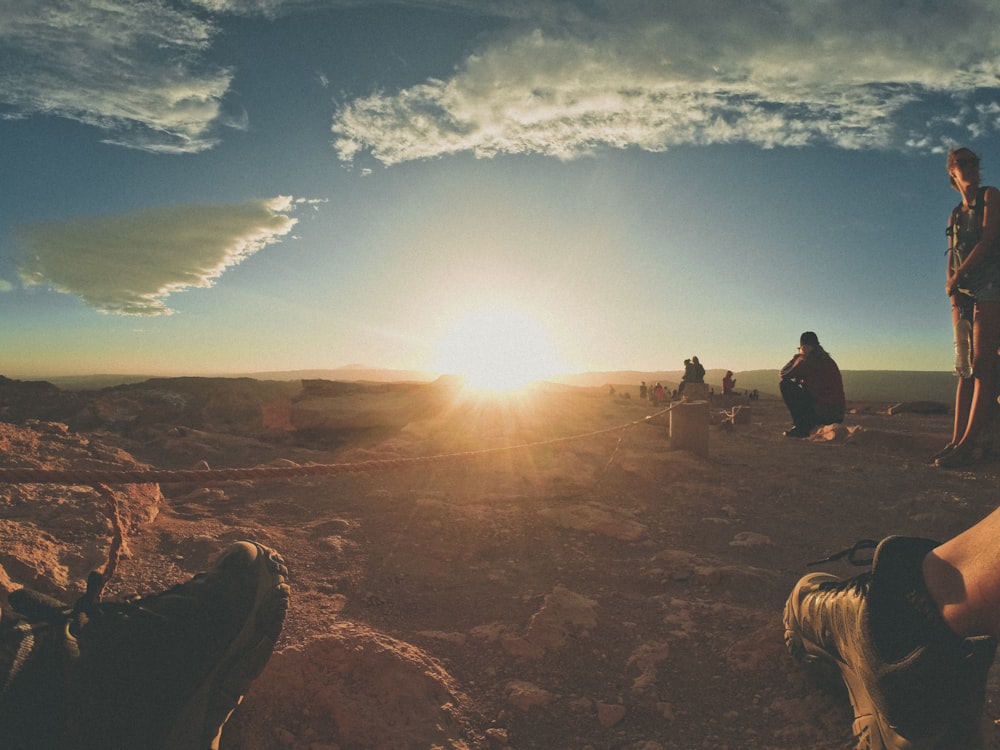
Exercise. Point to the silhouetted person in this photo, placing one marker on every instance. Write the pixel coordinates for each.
(974, 288)
(687, 377)
(812, 388)
(728, 383)
(697, 371)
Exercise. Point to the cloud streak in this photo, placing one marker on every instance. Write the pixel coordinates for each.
(652, 74)
(130, 263)
(135, 70)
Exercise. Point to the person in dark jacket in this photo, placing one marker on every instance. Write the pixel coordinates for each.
(812, 388)
(728, 383)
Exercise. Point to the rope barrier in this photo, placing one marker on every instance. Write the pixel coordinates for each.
(100, 481)
(95, 477)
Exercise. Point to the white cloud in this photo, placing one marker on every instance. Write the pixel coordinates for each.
(654, 74)
(566, 77)
(133, 68)
(129, 263)
(518, 9)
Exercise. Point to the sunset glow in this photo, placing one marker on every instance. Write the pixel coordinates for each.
(243, 186)
(498, 350)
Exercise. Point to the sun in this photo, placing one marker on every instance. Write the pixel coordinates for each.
(498, 350)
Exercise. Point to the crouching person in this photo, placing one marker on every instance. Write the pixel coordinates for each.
(812, 388)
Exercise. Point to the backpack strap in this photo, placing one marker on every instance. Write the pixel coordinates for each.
(980, 208)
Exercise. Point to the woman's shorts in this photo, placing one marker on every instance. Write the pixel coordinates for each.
(988, 292)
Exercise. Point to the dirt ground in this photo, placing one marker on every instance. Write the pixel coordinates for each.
(605, 592)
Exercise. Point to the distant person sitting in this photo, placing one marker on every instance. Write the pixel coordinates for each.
(687, 377)
(812, 388)
(728, 383)
(698, 371)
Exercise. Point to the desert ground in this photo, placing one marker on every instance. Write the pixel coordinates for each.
(592, 587)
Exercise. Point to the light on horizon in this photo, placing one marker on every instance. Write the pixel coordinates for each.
(498, 349)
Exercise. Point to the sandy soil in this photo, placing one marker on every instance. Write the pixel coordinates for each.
(604, 592)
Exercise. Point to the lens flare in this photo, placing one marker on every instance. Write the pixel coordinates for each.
(498, 350)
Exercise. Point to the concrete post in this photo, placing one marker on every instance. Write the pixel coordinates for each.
(689, 427)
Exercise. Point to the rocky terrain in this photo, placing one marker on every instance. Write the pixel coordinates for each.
(606, 591)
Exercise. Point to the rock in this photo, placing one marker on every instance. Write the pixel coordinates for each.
(647, 658)
(55, 535)
(330, 407)
(751, 539)
(526, 696)
(610, 714)
(919, 407)
(355, 687)
(562, 612)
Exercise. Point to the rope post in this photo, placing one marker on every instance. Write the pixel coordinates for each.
(689, 427)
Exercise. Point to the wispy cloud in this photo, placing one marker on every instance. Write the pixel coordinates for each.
(128, 264)
(652, 74)
(133, 68)
(565, 77)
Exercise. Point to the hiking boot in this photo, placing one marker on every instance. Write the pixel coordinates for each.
(163, 671)
(913, 683)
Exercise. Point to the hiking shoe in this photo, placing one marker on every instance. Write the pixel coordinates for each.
(796, 432)
(942, 453)
(913, 683)
(959, 457)
(162, 672)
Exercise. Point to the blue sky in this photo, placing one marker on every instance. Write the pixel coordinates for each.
(230, 186)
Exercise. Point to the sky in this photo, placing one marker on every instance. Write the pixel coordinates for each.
(235, 186)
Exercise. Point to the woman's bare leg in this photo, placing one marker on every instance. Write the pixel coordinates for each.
(963, 392)
(963, 578)
(985, 340)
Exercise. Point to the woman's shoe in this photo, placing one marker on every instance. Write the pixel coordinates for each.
(942, 453)
(961, 456)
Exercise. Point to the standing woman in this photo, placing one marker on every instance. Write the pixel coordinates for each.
(974, 281)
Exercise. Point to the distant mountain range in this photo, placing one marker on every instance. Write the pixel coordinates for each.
(860, 385)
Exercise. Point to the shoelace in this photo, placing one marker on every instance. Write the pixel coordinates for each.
(858, 582)
(851, 554)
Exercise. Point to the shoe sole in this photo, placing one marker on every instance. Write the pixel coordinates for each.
(201, 720)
